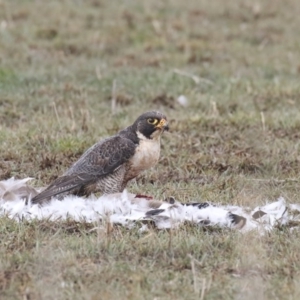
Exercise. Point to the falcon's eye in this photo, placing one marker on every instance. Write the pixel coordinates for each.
(152, 121)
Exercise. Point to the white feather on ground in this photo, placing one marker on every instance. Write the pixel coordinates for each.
(130, 210)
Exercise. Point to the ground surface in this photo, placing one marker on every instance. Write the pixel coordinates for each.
(237, 141)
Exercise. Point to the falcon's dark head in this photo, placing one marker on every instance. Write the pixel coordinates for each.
(151, 125)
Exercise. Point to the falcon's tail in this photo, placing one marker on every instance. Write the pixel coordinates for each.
(61, 185)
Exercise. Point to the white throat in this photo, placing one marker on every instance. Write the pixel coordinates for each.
(147, 152)
(155, 136)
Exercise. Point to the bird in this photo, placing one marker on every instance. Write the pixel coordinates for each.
(111, 163)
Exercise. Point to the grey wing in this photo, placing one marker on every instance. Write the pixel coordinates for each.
(98, 161)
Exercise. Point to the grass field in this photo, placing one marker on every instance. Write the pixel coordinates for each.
(72, 72)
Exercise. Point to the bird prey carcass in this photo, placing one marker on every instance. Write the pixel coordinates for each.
(110, 164)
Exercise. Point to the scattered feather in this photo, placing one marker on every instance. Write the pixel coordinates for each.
(130, 210)
(182, 100)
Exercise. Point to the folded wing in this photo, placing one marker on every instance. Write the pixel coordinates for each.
(99, 161)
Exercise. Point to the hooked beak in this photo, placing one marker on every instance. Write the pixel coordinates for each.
(163, 125)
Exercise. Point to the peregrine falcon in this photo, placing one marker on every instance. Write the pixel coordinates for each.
(110, 164)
